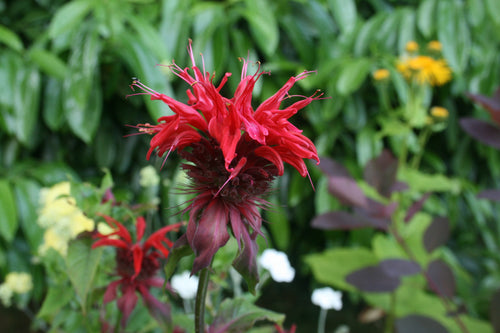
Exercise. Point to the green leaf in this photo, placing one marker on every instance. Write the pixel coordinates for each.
(69, 16)
(27, 197)
(81, 266)
(332, 266)
(8, 215)
(53, 112)
(82, 92)
(240, 314)
(278, 225)
(422, 182)
(263, 25)
(494, 10)
(352, 75)
(49, 63)
(26, 98)
(57, 297)
(367, 33)
(367, 146)
(406, 27)
(176, 254)
(9, 38)
(345, 14)
(426, 16)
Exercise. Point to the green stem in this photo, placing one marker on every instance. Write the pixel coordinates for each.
(422, 141)
(389, 324)
(201, 295)
(322, 320)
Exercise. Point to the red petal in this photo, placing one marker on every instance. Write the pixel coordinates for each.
(140, 226)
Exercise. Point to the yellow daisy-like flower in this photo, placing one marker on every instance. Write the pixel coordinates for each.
(424, 69)
(434, 46)
(439, 112)
(411, 46)
(381, 74)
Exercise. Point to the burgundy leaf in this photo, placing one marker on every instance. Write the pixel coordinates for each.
(492, 104)
(245, 263)
(346, 221)
(377, 210)
(495, 310)
(437, 233)
(490, 195)
(416, 207)
(342, 185)
(380, 173)
(399, 267)
(483, 131)
(419, 324)
(441, 279)
(373, 279)
(399, 186)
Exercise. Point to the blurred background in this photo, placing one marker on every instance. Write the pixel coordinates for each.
(65, 71)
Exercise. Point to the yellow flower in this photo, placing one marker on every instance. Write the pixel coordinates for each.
(439, 112)
(381, 74)
(424, 69)
(434, 46)
(411, 46)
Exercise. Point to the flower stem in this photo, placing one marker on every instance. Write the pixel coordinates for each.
(201, 295)
(322, 321)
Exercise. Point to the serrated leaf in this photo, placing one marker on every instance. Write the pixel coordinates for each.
(8, 214)
(352, 75)
(69, 16)
(10, 38)
(49, 63)
(81, 266)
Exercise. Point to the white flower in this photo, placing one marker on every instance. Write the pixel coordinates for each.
(185, 285)
(277, 264)
(327, 298)
(149, 177)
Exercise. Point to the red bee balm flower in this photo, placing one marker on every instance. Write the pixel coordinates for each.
(235, 153)
(137, 264)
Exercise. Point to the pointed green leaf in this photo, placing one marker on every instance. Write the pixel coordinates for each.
(27, 198)
(494, 10)
(345, 13)
(263, 25)
(57, 297)
(352, 75)
(69, 16)
(49, 63)
(426, 17)
(8, 215)
(26, 98)
(9, 38)
(81, 266)
(53, 112)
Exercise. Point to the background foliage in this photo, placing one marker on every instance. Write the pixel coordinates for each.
(65, 67)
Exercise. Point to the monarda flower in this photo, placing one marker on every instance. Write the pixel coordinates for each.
(136, 266)
(234, 153)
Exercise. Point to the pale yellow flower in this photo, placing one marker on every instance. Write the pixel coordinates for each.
(411, 46)
(381, 74)
(19, 282)
(149, 177)
(6, 295)
(439, 112)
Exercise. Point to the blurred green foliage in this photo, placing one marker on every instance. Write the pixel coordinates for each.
(65, 67)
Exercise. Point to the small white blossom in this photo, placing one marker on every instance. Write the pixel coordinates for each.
(149, 177)
(185, 285)
(327, 298)
(277, 264)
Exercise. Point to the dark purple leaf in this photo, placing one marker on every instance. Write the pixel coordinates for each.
(399, 186)
(378, 210)
(341, 184)
(346, 221)
(483, 131)
(419, 324)
(490, 195)
(399, 267)
(441, 279)
(373, 279)
(495, 311)
(416, 207)
(437, 233)
(380, 173)
(492, 104)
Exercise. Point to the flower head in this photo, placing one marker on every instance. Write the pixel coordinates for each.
(434, 46)
(234, 152)
(15, 283)
(411, 46)
(61, 218)
(185, 285)
(137, 264)
(439, 112)
(381, 74)
(327, 298)
(277, 264)
(425, 70)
